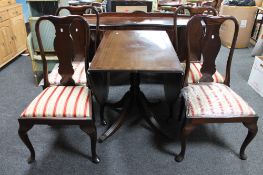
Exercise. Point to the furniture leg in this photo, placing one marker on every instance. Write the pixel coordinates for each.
(22, 132)
(181, 108)
(252, 131)
(102, 120)
(149, 117)
(186, 130)
(92, 132)
(118, 123)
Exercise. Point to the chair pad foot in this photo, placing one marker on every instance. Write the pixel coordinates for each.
(243, 156)
(96, 159)
(179, 158)
(31, 160)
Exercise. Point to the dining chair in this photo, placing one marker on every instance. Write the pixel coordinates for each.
(66, 103)
(207, 101)
(180, 45)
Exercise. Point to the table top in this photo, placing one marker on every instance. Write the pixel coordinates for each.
(136, 51)
(129, 19)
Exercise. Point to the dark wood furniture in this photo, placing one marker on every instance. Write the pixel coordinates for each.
(181, 32)
(66, 104)
(110, 21)
(196, 10)
(209, 102)
(135, 52)
(142, 21)
(81, 10)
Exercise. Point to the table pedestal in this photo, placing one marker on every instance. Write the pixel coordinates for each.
(134, 97)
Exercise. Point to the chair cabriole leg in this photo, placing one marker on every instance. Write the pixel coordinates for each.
(92, 132)
(186, 130)
(22, 132)
(252, 131)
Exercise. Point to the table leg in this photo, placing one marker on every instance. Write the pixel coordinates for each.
(149, 116)
(133, 97)
(118, 123)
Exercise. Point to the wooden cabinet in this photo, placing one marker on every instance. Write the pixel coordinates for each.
(7, 44)
(19, 32)
(12, 31)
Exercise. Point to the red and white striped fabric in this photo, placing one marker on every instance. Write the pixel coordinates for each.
(195, 74)
(214, 100)
(58, 102)
(79, 75)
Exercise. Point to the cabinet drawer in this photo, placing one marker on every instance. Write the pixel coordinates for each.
(15, 11)
(6, 2)
(4, 15)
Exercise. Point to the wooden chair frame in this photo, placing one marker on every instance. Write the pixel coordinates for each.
(80, 10)
(65, 56)
(210, 51)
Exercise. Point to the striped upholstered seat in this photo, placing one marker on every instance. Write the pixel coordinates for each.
(79, 75)
(195, 74)
(58, 102)
(213, 100)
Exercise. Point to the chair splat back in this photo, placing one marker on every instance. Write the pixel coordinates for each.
(81, 10)
(207, 43)
(69, 30)
(180, 34)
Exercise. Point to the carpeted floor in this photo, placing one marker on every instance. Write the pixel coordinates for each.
(135, 148)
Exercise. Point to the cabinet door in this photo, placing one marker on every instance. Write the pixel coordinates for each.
(7, 49)
(19, 31)
(3, 51)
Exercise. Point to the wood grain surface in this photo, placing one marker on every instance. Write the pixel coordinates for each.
(136, 51)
